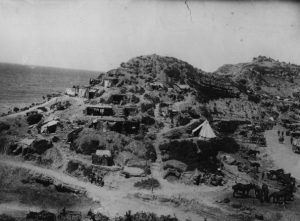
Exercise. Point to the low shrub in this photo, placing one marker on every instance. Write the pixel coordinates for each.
(148, 184)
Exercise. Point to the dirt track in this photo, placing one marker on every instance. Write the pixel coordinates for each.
(282, 154)
(114, 202)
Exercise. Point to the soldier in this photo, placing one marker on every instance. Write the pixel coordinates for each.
(265, 192)
(100, 181)
(278, 132)
(64, 211)
(93, 179)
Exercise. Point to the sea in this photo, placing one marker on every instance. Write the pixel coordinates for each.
(21, 85)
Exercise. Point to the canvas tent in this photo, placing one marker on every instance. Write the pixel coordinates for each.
(70, 92)
(206, 132)
(83, 92)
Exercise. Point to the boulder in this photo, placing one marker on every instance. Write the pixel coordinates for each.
(4, 126)
(259, 216)
(88, 144)
(34, 118)
(236, 205)
(55, 139)
(40, 145)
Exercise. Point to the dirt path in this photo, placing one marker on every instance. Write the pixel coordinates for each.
(117, 201)
(282, 155)
(52, 100)
(75, 100)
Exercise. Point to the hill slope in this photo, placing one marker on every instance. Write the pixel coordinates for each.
(264, 75)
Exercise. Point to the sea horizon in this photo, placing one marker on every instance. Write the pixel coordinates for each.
(22, 85)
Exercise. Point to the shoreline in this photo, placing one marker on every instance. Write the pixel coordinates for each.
(13, 108)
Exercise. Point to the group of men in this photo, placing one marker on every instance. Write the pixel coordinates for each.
(98, 180)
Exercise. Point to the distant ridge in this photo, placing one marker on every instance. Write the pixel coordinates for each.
(6, 64)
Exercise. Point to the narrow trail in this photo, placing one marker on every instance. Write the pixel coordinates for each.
(47, 103)
(113, 202)
(156, 167)
(282, 155)
(52, 100)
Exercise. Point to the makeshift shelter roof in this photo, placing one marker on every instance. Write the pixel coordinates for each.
(109, 118)
(133, 171)
(100, 106)
(102, 153)
(183, 86)
(93, 90)
(206, 131)
(176, 165)
(26, 141)
(49, 124)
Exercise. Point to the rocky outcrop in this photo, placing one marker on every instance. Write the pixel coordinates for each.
(263, 75)
(40, 145)
(34, 118)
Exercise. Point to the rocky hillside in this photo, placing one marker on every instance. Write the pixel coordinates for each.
(139, 121)
(172, 71)
(264, 75)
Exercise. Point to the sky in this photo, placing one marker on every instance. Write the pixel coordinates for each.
(99, 35)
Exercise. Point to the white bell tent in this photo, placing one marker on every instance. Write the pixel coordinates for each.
(206, 132)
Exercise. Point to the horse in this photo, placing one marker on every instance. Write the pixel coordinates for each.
(274, 174)
(283, 195)
(279, 196)
(258, 193)
(243, 189)
(281, 139)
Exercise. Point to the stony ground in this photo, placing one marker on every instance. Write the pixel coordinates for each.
(186, 202)
(118, 195)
